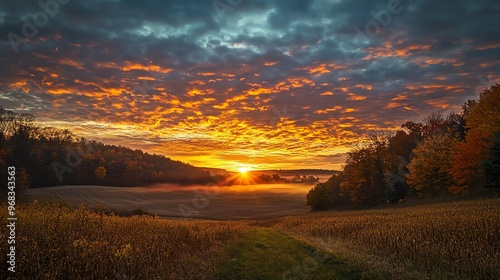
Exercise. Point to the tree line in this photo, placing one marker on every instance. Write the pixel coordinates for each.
(443, 155)
(47, 156)
(252, 179)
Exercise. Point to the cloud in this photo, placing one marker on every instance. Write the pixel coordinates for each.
(173, 77)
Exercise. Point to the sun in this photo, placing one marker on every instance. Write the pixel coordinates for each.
(243, 169)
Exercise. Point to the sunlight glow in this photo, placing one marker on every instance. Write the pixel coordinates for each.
(243, 169)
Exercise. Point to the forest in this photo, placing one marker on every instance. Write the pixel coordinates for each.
(457, 154)
(47, 156)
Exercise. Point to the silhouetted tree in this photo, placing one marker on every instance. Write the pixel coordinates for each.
(491, 164)
(49, 156)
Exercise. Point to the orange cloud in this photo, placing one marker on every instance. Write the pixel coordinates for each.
(349, 110)
(400, 97)
(367, 87)
(58, 91)
(258, 89)
(195, 92)
(426, 61)
(354, 97)
(486, 47)
(326, 111)
(300, 82)
(327, 93)
(392, 105)
(388, 50)
(147, 78)
(320, 69)
(72, 62)
(206, 74)
(197, 82)
(270, 63)
(442, 104)
(129, 66)
(18, 84)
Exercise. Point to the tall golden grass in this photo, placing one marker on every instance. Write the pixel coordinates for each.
(57, 242)
(455, 240)
(459, 240)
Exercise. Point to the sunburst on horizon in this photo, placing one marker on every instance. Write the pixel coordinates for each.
(243, 169)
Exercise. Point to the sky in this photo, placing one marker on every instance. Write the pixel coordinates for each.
(238, 83)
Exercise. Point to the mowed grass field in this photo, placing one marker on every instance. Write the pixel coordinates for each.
(456, 240)
(200, 202)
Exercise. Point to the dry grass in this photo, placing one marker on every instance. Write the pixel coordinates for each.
(458, 240)
(57, 242)
(455, 240)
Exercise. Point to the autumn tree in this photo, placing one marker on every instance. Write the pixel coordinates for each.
(48, 147)
(20, 131)
(401, 146)
(476, 153)
(467, 168)
(320, 197)
(429, 168)
(100, 172)
(414, 129)
(485, 112)
(17, 137)
(24, 128)
(436, 123)
(328, 194)
(365, 170)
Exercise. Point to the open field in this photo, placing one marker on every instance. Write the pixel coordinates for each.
(451, 240)
(454, 240)
(220, 203)
(56, 242)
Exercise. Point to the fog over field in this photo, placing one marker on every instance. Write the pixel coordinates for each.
(166, 200)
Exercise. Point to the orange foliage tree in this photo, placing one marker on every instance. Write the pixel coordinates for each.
(429, 169)
(466, 167)
(482, 119)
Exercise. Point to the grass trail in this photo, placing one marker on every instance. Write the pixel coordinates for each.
(266, 253)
